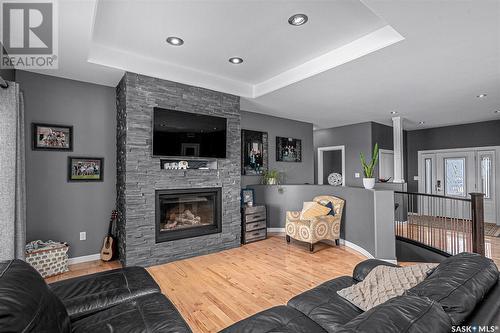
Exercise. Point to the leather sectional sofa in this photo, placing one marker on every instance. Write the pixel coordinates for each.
(463, 290)
(121, 300)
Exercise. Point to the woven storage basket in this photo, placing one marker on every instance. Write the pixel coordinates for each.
(49, 261)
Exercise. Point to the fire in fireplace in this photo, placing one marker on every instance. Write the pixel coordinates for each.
(187, 213)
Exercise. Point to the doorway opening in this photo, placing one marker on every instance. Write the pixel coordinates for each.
(331, 160)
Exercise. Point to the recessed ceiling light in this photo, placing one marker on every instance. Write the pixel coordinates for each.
(421, 122)
(175, 41)
(394, 112)
(496, 111)
(235, 60)
(481, 96)
(298, 19)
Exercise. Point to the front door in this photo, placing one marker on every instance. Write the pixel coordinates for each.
(456, 173)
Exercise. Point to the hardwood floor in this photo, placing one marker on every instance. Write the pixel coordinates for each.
(84, 268)
(216, 290)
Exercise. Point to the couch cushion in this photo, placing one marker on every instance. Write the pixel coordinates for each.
(401, 314)
(279, 319)
(90, 293)
(458, 284)
(151, 313)
(26, 302)
(312, 210)
(323, 305)
(488, 311)
(365, 267)
(384, 283)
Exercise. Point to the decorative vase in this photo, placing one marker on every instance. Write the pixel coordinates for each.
(271, 181)
(368, 183)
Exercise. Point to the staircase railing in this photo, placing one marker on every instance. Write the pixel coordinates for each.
(449, 224)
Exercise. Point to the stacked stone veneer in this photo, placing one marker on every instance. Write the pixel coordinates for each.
(139, 174)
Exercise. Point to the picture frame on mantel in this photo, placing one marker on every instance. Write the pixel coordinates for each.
(288, 149)
(254, 147)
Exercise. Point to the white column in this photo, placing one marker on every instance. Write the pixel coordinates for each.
(397, 125)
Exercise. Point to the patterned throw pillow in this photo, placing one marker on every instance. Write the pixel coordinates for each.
(312, 210)
(384, 283)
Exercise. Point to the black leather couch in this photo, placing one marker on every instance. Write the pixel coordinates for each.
(121, 300)
(463, 290)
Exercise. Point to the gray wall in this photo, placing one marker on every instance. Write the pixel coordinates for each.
(56, 209)
(367, 220)
(295, 173)
(7, 74)
(449, 137)
(356, 138)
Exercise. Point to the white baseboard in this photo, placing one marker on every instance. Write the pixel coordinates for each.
(90, 257)
(348, 244)
(357, 248)
(275, 229)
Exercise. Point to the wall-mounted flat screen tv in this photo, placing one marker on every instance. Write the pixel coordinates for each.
(186, 134)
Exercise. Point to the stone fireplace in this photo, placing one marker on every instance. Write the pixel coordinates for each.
(187, 213)
(186, 227)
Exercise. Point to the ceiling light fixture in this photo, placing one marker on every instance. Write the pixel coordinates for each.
(298, 19)
(394, 112)
(235, 60)
(496, 111)
(481, 96)
(175, 41)
(421, 122)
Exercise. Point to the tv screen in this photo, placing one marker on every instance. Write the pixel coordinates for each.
(185, 134)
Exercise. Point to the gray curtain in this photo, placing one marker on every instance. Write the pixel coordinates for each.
(12, 174)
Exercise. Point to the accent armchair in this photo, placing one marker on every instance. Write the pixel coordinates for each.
(318, 228)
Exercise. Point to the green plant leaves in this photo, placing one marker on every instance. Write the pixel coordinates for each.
(368, 168)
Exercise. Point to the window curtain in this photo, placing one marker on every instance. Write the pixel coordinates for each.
(12, 174)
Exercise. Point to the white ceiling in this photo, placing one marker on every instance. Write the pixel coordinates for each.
(131, 34)
(348, 64)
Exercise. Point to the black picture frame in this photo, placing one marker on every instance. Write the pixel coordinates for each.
(57, 128)
(72, 160)
(254, 165)
(288, 149)
(247, 195)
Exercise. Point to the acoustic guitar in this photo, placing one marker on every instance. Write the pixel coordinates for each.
(109, 245)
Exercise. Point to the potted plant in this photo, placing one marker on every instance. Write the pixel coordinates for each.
(271, 177)
(369, 181)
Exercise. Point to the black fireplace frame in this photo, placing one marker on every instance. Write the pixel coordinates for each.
(189, 232)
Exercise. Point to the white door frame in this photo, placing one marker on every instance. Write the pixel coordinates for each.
(321, 150)
(476, 150)
(385, 151)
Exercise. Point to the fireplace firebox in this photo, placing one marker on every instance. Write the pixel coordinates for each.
(185, 213)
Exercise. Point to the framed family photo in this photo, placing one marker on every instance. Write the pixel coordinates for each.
(52, 137)
(288, 149)
(85, 169)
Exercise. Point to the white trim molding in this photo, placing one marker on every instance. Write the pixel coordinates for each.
(78, 260)
(350, 245)
(275, 229)
(321, 150)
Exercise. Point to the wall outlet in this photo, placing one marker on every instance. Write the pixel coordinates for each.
(83, 235)
(357, 175)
